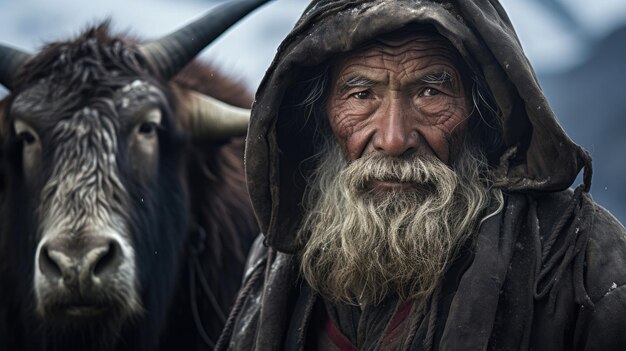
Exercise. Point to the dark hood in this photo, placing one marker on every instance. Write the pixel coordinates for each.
(536, 154)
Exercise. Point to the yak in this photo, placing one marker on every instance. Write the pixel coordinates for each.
(125, 220)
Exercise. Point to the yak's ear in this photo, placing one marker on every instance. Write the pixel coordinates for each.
(205, 117)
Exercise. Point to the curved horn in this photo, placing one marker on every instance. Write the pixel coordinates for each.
(171, 53)
(209, 118)
(11, 60)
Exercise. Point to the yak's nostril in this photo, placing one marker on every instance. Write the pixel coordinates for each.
(98, 257)
(50, 266)
(107, 260)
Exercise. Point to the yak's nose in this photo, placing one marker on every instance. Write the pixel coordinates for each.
(80, 263)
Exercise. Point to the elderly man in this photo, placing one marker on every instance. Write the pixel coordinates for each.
(412, 185)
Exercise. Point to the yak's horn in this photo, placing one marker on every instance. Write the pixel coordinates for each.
(209, 118)
(11, 60)
(174, 51)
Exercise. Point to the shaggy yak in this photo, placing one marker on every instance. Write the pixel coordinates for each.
(125, 221)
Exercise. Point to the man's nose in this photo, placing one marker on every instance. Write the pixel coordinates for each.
(395, 133)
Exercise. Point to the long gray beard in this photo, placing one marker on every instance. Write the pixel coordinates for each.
(362, 244)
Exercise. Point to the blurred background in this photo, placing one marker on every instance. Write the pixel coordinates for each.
(577, 47)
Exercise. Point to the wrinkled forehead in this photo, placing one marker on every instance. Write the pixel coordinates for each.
(422, 43)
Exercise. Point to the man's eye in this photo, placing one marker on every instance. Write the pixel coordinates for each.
(361, 95)
(430, 92)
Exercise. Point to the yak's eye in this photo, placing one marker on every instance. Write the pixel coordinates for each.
(27, 138)
(147, 128)
(150, 123)
(25, 133)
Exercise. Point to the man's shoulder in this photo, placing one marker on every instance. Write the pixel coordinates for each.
(605, 254)
(606, 232)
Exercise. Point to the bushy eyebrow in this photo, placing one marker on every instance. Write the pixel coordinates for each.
(442, 78)
(438, 78)
(358, 81)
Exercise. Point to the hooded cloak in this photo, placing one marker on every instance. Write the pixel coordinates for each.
(547, 272)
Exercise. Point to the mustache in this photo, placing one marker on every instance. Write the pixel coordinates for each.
(414, 169)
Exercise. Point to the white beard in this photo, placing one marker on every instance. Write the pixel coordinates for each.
(362, 244)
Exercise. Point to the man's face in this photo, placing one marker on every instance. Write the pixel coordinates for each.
(399, 97)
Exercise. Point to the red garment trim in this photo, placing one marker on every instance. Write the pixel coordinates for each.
(337, 337)
(401, 314)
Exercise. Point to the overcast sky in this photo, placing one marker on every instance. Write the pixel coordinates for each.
(247, 49)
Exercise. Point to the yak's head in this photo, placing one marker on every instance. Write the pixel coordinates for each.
(91, 136)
